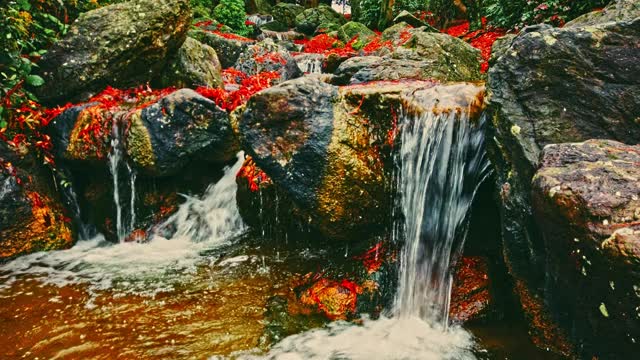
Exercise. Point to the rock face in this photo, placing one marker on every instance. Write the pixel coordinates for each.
(122, 45)
(193, 65)
(164, 137)
(228, 50)
(268, 56)
(586, 199)
(31, 218)
(553, 86)
(329, 148)
(312, 19)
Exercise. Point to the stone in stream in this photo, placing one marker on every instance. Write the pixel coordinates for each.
(31, 217)
(193, 65)
(328, 149)
(586, 201)
(555, 85)
(122, 45)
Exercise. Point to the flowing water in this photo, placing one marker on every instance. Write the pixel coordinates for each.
(205, 287)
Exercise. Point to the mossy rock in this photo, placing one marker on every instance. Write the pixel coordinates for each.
(310, 20)
(286, 13)
(352, 29)
(122, 45)
(193, 65)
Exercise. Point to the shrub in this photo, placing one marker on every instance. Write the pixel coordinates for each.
(232, 14)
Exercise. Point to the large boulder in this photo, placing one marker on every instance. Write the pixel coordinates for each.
(352, 29)
(312, 19)
(285, 13)
(161, 136)
(227, 48)
(586, 200)
(329, 149)
(555, 85)
(193, 65)
(266, 55)
(31, 217)
(406, 17)
(121, 45)
(181, 127)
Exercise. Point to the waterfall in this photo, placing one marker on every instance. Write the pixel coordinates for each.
(310, 63)
(440, 165)
(116, 163)
(115, 157)
(212, 218)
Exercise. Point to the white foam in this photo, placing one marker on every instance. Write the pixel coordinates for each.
(386, 338)
(142, 268)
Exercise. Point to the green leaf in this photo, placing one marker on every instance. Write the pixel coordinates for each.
(35, 80)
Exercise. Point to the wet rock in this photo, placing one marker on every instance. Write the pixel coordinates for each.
(31, 217)
(329, 149)
(285, 13)
(312, 19)
(228, 50)
(193, 65)
(586, 199)
(181, 127)
(162, 134)
(352, 29)
(406, 17)
(121, 45)
(444, 57)
(471, 297)
(268, 56)
(549, 86)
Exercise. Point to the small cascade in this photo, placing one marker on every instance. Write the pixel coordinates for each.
(259, 19)
(118, 167)
(310, 63)
(212, 218)
(115, 156)
(440, 165)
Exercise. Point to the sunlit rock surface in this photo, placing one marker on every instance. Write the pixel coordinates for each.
(122, 45)
(586, 199)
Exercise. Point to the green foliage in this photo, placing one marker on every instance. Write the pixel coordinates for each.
(519, 13)
(232, 14)
(370, 12)
(203, 8)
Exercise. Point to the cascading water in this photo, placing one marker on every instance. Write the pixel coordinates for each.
(310, 63)
(440, 165)
(125, 218)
